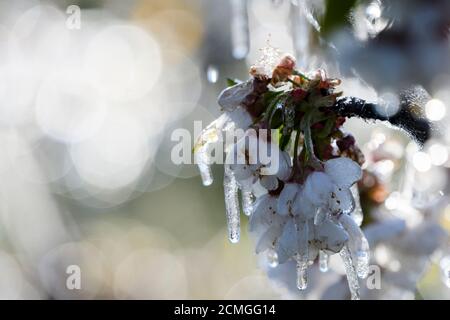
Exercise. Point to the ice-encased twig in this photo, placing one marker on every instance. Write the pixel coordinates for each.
(358, 245)
(357, 213)
(230, 187)
(350, 271)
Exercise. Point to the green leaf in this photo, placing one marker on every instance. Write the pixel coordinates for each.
(284, 139)
(231, 82)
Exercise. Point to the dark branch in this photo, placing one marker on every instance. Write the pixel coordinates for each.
(410, 116)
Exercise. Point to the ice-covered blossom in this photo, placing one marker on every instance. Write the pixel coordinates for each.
(304, 220)
(298, 183)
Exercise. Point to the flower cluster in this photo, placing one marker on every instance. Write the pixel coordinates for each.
(301, 198)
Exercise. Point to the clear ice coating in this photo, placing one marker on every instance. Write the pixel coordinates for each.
(357, 213)
(302, 269)
(352, 277)
(230, 188)
(239, 29)
(323, 261)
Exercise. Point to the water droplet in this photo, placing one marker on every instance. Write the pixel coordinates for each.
(272, 258)
(435, 110)
(357, 213)
(388, 104)
(247, 199)
(212, 74)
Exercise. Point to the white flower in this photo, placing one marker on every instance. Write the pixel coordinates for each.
(331, 189)
(287, 199)
(237, 118)
(251, 157)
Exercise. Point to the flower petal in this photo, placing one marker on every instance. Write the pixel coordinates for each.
(269, 182)
(286, 246)
(264, 213)
(269, 238)
(330, 236)
(286, 198)
(343, 171)
(303, 207)
(341, 201)
(284, 170)
(318, 188)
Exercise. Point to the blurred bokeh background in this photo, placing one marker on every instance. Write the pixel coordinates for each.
(88, 101)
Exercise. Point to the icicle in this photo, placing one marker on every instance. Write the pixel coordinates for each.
(303, 254)
(362, 260)
(300, 31)
(247, 200)
(447, 277)
(352, 277)
(321, 215)
(247, 197)
(445, 269)
(272, 258)
(358, 245)
(239, 28)
(230, 187)
(202, 159)
(357, 213)
(302, 276)
(323, 261)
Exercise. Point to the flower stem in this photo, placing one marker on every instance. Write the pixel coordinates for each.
(297, 138)
(309, 146)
